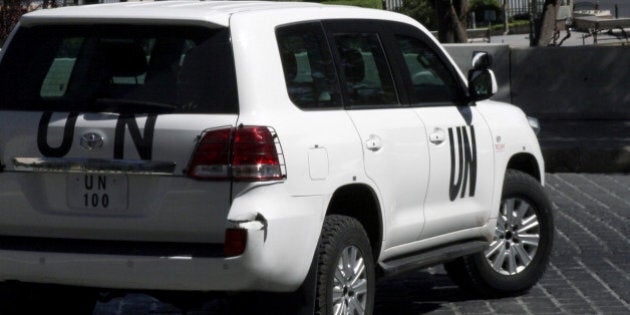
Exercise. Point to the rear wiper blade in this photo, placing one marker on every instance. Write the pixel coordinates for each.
(121, 105)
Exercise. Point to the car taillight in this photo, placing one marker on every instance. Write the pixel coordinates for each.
(212, 157)
(249, 153)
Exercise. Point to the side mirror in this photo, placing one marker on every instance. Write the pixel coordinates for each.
(481, 60)
(482, 84)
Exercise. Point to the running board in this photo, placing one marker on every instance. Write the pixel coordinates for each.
(431, 257)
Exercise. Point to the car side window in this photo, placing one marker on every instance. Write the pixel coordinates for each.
(308, 67)
(431, 80)
(366, 76)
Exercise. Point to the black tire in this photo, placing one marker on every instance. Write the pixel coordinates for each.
(476, 273)
(343, 235)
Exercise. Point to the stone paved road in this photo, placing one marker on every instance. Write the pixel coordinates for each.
(589, 271)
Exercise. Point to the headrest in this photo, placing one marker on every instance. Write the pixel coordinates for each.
(353, 65)
(125, 59)
(289, 64)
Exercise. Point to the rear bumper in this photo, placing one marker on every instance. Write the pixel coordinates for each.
(281, 241)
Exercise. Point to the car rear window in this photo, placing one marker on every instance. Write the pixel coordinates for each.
(122, 68)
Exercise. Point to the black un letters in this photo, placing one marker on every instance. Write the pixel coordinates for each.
(68, 133)
(143, 143)
(465, 161)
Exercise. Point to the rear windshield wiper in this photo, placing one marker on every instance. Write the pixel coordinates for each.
(121, 105)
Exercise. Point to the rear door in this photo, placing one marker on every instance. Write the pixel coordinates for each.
(98, 125)
(394, 138)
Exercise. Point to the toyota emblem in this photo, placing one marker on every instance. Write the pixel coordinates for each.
(91, 141)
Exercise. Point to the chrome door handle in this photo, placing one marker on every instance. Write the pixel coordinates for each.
(374, 143)
(437, 137)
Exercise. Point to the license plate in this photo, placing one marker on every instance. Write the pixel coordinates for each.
(97, 192)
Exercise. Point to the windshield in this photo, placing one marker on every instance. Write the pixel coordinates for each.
(121, 68)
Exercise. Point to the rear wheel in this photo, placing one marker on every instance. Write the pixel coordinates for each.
(519, 253)
(345, 268)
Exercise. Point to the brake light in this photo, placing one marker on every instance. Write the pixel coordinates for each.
(245, 153)
(212, 157)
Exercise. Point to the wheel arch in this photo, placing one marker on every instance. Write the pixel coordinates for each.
(360, 202)
(526, 163)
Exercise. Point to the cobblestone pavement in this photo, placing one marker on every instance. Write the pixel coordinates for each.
(589, 271)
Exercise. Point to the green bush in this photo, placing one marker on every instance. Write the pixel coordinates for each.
(422, 11)
(481, 6)
(376, 4)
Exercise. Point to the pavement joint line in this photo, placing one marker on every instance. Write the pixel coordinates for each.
(570, 241)
(625, 274)
(576, 289)
(522, 304)
(610, 177)
(597, 219)
(549, 296)
(602, 282)
(556, 190)
(489, 306)
(583, 192)
(612, 194)
(608, 226)
(585, 230)
(454, 309)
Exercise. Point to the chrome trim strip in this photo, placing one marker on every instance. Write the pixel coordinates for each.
(80, 165)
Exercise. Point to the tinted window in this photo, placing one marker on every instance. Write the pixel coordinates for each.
(119, 68)
(367, 79)
(308, 68)
(431, 80)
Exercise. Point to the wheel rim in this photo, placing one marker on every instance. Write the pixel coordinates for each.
(349, 292)
(516, 237)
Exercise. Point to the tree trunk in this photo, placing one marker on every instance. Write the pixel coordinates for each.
(452, 20)
(548, 23)
(10, 14)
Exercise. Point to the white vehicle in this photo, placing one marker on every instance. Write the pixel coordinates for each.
(253, 146)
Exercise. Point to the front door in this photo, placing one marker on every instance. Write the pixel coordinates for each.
(460, 144)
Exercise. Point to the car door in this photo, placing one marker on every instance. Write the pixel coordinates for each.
(460, 143)
(394, 138)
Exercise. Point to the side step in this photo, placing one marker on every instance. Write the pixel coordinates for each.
(431, 257)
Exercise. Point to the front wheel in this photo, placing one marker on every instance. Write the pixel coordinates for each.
(520, 250)
(345, 268)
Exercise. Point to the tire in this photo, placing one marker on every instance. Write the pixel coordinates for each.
(519, 253)
(344, 252)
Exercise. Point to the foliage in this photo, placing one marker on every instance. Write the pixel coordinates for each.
(480, 6)
(10, 14)
(376, 4)
(512, 24)
(422, 11)
(12, 10)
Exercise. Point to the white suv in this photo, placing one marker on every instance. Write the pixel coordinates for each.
(252, 146)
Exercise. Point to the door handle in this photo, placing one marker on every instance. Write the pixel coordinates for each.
(374, 143)
(437, 137)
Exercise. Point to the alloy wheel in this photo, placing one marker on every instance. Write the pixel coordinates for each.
(349, 294)
(516, 237)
